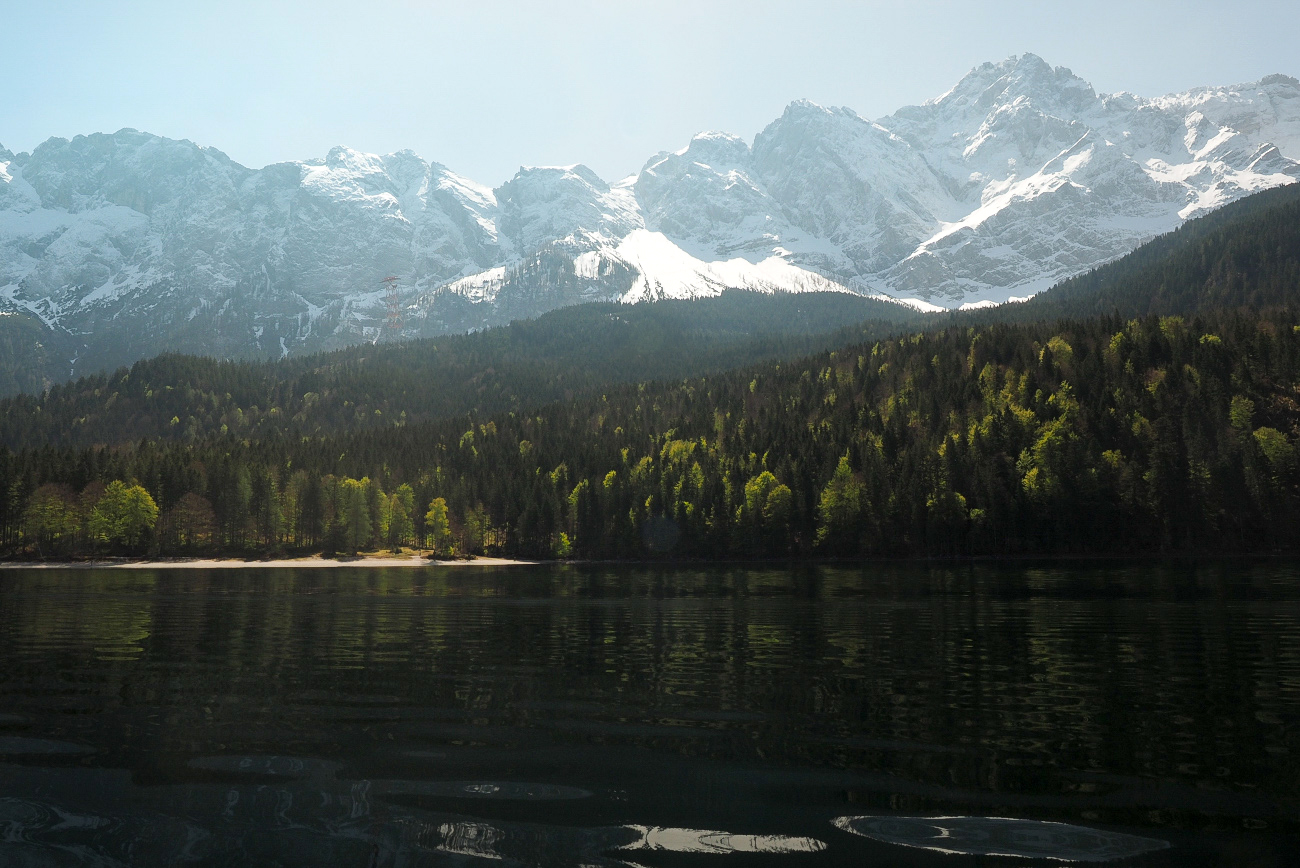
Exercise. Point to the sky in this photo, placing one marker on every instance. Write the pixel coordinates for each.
(486, 87)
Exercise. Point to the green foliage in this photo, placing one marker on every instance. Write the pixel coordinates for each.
(1279, 452)
(957, 442)
(401, 524)
(1241, 412)
(841, 511)
(125, 516)
(437, 526)
(354, 513)
(764, 516)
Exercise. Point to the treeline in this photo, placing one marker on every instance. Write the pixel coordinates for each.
(1157, 434)
(558, 356)
(248, 512)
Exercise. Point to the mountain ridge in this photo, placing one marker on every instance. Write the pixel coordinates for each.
(1243, 258)
(123, 245)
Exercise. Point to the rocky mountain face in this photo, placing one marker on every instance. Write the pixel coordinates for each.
(114, 247)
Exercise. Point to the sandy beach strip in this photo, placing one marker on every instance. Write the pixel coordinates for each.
(313, 562)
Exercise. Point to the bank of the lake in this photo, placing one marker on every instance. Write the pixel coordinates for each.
(309, 562)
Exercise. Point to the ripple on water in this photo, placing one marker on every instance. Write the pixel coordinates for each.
(273, 766)
(24, 821)
(1001, 836)
(15, 745)
(499, 790)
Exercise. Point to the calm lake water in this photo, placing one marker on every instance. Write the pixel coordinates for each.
(1137, 715)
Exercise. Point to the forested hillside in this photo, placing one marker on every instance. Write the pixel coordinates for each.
(1163, 416)
(1152, 435)
(26, 357)
(1246, 254)
(525, 364)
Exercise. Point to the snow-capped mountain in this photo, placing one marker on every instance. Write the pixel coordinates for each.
(126, 244)
(1019, 176)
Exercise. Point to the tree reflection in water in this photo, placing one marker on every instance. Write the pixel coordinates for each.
(309, 816)
(658, 715)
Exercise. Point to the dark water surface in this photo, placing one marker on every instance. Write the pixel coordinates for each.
(983, 716)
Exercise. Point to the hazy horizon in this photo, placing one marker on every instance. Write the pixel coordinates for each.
(488, 89)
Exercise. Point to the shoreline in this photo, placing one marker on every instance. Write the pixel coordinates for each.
(417, 560)
(310, 562)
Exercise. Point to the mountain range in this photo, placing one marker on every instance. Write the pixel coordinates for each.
(1243, 258)
(115, 247)
(1148, 406)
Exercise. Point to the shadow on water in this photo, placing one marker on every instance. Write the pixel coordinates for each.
(608, 715)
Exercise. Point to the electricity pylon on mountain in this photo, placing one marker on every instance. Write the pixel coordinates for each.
(394, 324)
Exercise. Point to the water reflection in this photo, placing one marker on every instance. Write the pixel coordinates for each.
(11, 745)
(500, 790)
(699, 841)
(302, 822)
(312, 717)
(273, 766)
(1001, 836)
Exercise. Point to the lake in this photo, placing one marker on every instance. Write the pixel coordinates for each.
(1137, 714)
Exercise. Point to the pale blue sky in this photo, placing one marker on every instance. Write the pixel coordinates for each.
(485, 87)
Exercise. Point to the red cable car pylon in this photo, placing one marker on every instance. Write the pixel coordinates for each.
(394, 324)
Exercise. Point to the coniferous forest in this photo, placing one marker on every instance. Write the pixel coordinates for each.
(1152, 406)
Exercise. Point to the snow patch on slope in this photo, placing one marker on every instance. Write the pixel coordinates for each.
(667, 271)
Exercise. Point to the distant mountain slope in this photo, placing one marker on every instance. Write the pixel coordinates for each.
(1246, 254)
(124, 245)
(26, 359)
(511, 368)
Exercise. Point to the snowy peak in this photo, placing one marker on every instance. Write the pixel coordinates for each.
(709, 200)
(128, 168)
(127, 243)
(1021, 147)
(1265, 112)
(542, 204)
(1027, 77)
(806, 111)
(853, 183)
(717, 149)
(1028, 107)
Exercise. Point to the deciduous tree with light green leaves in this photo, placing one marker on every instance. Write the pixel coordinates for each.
(840, 511)
(765, 514)
(437, 525)
(355, 507)
(401, 525)
(125, 516)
